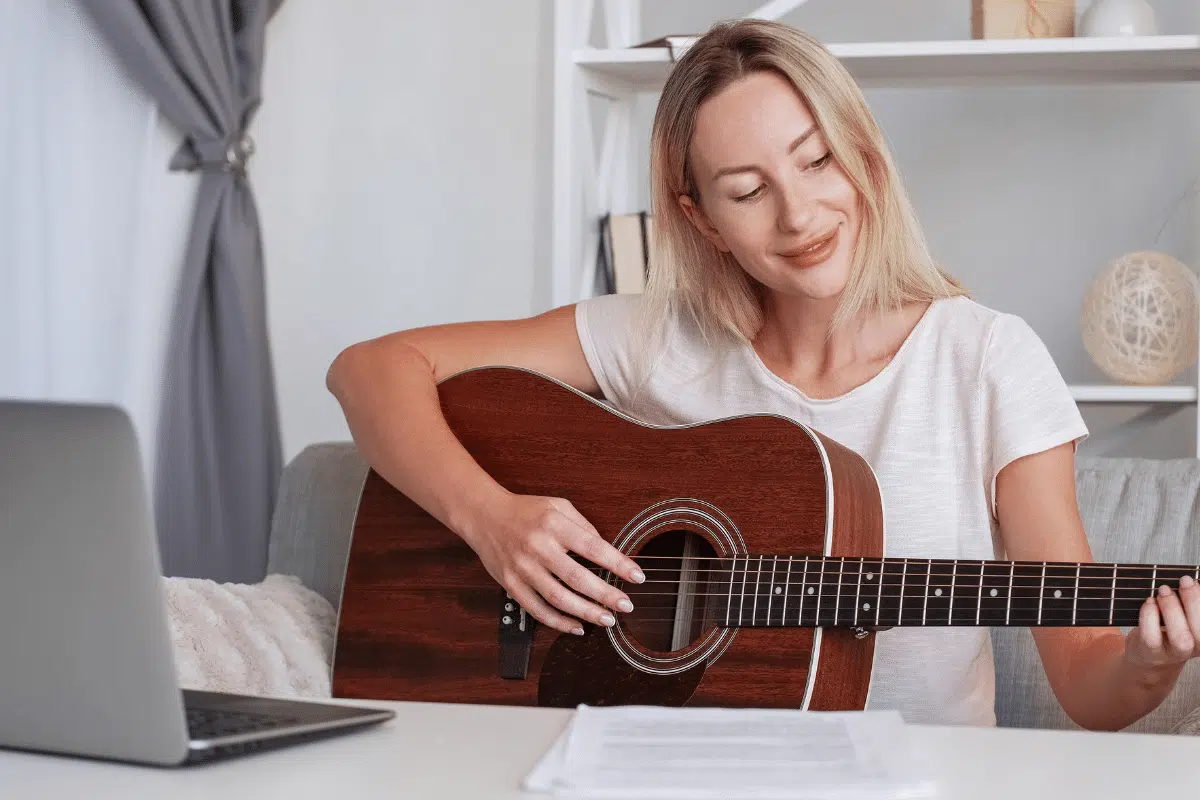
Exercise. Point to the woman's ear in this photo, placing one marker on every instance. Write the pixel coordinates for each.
(700, 220)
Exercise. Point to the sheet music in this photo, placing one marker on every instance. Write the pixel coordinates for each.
(653, 752)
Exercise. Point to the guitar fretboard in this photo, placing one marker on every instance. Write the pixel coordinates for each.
(771, 590)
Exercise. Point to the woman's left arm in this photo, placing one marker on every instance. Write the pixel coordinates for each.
(1104, 680)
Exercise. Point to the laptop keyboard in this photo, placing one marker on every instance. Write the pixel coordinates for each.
(210, 723)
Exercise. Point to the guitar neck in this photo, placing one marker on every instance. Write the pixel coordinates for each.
(771, 590)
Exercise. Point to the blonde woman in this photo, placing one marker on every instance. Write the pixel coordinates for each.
(790, 277)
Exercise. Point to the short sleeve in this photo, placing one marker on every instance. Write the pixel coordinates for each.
(1027, 407)
(605, 325)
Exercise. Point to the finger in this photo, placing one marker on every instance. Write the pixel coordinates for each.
(588, 583)
(563, 598)
(1179, 636)
(1149, 625)
(542, 611)
(596, 548)
(1189, 595)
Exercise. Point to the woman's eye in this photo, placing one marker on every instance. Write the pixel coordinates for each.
(822, 161)
(750, 196)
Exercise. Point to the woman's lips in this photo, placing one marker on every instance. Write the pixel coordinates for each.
(815, 253)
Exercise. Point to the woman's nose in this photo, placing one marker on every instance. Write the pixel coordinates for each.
(796, 212)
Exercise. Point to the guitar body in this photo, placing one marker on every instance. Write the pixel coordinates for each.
(421, 618)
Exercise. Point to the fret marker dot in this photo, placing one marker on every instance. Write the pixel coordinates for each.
(1058, 592)
(866, 606)
(810, 590)
(992, 592)
(778, 590)
(870, 575)
(937, 592)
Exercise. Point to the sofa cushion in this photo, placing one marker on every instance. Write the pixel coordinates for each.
(269, 638)
(1134, 511)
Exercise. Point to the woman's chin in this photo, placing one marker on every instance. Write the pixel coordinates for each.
(819, 282)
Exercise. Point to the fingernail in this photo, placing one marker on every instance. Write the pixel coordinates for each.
(1186, 580)
(638, 576)
(608, 620)
(577, 631)
(625, 606)
(1164, 590)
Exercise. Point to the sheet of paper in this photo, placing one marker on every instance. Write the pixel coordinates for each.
(653, 752)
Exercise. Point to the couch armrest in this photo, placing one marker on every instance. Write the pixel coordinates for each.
(314, 517)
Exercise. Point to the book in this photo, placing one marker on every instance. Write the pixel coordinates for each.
(623, 257)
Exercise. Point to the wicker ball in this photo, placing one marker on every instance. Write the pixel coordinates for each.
(1139, 318)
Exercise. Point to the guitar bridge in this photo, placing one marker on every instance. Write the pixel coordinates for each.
(516, 639)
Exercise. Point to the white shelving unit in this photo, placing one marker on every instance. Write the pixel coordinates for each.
(586, 188)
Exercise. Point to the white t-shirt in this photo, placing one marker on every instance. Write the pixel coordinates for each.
(970, 390)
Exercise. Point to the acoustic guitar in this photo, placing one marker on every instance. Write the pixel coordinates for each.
(762, 541)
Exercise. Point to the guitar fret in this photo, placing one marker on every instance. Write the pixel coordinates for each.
(858, 590)
(837, 600)
(879, 599)
(771, 588)
(1042, 593)
(787, 580)
(1112, 603)
(925, 604)
(729, 603)
(953, 577)
(803, 591)
(979, 599)
(820, 589)
(742, 603)
(757, 578)
(1153, 580)
(1075, 600)
(903, 581)
(1008, 606)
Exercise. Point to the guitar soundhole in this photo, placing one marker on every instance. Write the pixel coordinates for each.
(678, 601)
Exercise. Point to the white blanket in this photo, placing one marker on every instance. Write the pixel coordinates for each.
(269, 638)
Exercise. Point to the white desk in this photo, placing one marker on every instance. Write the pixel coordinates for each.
(450, 752)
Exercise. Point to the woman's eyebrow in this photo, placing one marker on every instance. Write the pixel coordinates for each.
(791, 149)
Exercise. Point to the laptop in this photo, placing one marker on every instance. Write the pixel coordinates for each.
(86, 660)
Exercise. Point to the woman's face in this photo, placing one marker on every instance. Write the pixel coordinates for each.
(770, 192)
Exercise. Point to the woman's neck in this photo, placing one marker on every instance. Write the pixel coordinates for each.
(798, 342)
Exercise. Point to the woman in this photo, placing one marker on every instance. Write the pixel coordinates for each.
(790, 276)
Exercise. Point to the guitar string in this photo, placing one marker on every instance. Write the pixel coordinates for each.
(1066, 573)
(848, 581)
(846, 620)
(870, 560)
(914, 590)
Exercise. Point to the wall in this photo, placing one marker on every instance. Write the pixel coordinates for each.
(395, 174)
(404, 172)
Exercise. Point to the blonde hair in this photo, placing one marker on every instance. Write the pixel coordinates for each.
(891, 264)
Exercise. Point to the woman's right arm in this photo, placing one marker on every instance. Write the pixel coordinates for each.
(387, 388)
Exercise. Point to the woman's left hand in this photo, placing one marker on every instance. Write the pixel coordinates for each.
(1148, 646)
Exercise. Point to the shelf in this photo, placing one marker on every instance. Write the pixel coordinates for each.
(966, 62)
(1115, 393)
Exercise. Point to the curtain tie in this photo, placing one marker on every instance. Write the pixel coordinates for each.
(214, 155)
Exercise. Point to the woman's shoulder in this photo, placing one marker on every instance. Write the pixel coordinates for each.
(995, 340)
(968, 320)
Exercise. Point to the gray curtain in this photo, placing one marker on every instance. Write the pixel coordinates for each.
(218, 460)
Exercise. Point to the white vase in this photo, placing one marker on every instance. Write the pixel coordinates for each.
(1119, 18)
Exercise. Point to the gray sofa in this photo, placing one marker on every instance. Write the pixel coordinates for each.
(1134, 510)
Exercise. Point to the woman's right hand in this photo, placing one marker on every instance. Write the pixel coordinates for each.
(524, 541)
